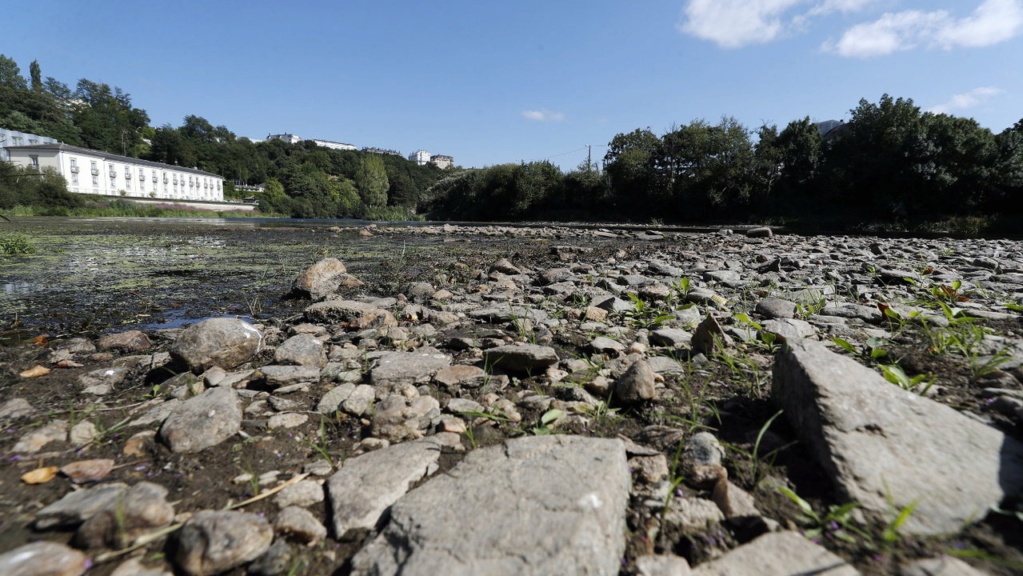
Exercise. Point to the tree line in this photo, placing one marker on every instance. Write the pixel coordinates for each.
(889, 162)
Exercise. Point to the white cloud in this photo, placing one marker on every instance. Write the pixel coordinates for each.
(968, 100)
(543, 115)
(736, 23)
(992, 22)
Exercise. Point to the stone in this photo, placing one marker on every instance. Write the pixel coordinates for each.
(211, 542)
(301, 350)
(55, 431)
(279, 376)
(940, 566)
(662, 565)
(142, 509)
(82, 433)
(131, 341)
(399, 418)
(320, 280)
(777, 554)
(101, 382)
(134, 567)
(786, 329)
(521, 359)
(776, 308)
(337, 311)
(692, 514)
(203, 421)
(368, 484)
(877, 442)
(88, 470)
(533, 505)
(395, 369)
(299, 524)
(332, 400)
(224, 342)
(670, 337)
(286, 420)
(734, 502)
(303, 493)
(636, 384)
(15, 408)
(278, 559)
(604, 345)
(75, 507)
(709, 336)
(760, 232)
(43, 559)
(461, 375)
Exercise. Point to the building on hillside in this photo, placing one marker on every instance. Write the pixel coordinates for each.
(15, 138)
(381, 151)
(333, 145)
(421, 157)
(95, 172)
(442, 161)
(289, 138)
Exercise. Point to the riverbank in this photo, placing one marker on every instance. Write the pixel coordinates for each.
(448, 359)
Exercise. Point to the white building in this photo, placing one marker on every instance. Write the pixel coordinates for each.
(421, 157)
(289, 138)
(442, 161)
(15, 138)
(333, 145)
(94, 172)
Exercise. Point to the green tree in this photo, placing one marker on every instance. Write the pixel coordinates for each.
(107, 119)
(10, 74)
(371, 181)
(629, 163)
(37, 76)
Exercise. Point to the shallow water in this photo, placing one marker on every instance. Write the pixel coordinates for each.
(99, 275)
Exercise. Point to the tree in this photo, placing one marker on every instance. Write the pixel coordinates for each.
(10, 74)
(107, 119)
(706, 167)
(371, 181)
(629, 164)
(36, 75)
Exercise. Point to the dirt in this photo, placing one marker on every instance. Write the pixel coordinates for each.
(161, 278)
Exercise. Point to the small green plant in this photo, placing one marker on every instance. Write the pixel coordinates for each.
(838, 522)
(644, 315)
(760, 464)
(16, 245)
(871, 349)
(546, 420)
(320, 445)
(767, 339)
(896, 375)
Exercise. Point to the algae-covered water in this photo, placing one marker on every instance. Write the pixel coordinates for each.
(89, 276)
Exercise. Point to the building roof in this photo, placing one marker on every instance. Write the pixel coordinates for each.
(114, 157)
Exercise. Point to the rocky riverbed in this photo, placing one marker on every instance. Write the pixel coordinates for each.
(560, 401)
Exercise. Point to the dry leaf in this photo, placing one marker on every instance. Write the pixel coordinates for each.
(39, 475)
(41, 340)
(35, 372)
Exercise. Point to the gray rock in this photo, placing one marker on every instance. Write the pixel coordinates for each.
(940, 566)
(665, 565)
(395, 369)
(101, 382)
(636, 384)
(278, 376)
(301, 350)
(671, 337)
(362, 490)
(523, 359)
(224, 342)
(849, 310)
(760, 232)
(777, 554)
(142, 509)
(304, 493)
(76, 507)
(278, 559)
(692, 514)
(603, 344)
(776, 308)
(787, 329)
(878, 441)
(55, 431)
(211, 542)
(399, 418)
(335, 311)
(332, 400)
(702, 449)
(134, 567)
(321, 279)
(43, 559)
(203, 421)
(299, 524)
(132, 340)
(533, 505)
(15, 408)
(709, 336)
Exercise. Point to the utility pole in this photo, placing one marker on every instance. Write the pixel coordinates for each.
(589, 157)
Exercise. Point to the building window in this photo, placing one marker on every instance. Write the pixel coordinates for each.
(95, 169)
(74, 165)
(74, 178)
(95, 179)
(35, 161)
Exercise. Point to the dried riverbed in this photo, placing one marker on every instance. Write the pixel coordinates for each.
(665, 344)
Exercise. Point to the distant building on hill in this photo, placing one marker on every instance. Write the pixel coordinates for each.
(289, 138)
(420, 157)
(442, 161)
(373, 150)
(15, 138)
(95, 172)
(334, 145)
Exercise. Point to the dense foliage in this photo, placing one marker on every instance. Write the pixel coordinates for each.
(889, 163)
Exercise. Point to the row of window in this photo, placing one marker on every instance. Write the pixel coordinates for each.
(193, 181)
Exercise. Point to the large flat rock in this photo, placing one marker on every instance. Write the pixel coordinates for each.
(777, 554)
(878, 441)
(536, 505)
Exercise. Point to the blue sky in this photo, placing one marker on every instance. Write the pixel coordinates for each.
(492, 82)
